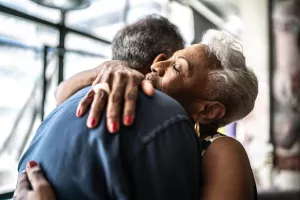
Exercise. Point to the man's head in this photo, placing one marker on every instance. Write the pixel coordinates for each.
(210, 79)
(141, 42)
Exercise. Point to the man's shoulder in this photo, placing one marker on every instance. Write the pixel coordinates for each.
(158, 112)
(156, 116)
(159, 103)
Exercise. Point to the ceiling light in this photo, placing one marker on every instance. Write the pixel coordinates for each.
(64, 5)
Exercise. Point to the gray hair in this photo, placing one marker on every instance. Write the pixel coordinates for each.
(233, 83)
(141, 42)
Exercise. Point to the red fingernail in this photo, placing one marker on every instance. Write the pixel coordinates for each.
(93, 121)
(79, 112)
(113, 127)
(32, 164)
(127, 120)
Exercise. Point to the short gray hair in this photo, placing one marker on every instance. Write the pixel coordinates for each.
(139, 43)
(233, 83)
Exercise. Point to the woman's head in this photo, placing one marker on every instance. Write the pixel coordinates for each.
(210, 79)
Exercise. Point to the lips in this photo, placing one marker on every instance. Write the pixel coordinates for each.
(151, 77)
(154, 79)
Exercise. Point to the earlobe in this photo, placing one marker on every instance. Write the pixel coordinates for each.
(160, 57)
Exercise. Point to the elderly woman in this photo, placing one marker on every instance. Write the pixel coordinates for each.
(212, 83)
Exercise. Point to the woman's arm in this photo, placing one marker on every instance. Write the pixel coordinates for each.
(69, 87)
(227, 172)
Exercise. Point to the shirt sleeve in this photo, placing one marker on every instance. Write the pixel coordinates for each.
(168, 167)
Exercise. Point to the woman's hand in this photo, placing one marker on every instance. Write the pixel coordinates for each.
(124, 83)
(40, 188)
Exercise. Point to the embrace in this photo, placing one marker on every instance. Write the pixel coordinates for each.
(113, 136)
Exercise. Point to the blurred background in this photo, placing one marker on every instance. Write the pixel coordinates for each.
(43, 42)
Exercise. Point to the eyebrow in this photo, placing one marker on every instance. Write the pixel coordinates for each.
(190, 69)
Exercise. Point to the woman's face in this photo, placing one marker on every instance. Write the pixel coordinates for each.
(184, 75)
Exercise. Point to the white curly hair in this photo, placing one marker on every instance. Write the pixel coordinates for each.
(233, 84)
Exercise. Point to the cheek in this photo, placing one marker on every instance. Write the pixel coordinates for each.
(172, 85)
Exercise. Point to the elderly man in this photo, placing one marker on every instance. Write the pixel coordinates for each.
(157, 158)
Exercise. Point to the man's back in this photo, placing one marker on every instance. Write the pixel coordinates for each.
(156, 158)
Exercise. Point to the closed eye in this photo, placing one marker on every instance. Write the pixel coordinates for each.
(176, 68)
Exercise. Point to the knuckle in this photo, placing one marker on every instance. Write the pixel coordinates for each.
(116, 97)
(22, 176)
(132, 76)
(109, 72)
(136, 80)
(101, 96)
(42, 186)
(131, 96)
(22, 181)
(120, 73)
(37, 172)
(112, 114)
(83, 102)
(106, 77)
(129, 111)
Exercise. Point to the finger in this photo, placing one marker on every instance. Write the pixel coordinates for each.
(36, 176)
(22, 183)
(99, 100)
(131, 96)
(97, 107)
(114, 105)
(85, 102)
(147, 88)
(87, 99)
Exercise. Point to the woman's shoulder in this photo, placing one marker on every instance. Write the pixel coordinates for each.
(226, 163)
(227, 150)
(222, 141)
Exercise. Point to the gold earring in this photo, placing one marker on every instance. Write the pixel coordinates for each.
(197, 128)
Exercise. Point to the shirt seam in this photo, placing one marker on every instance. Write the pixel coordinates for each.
(155, 133)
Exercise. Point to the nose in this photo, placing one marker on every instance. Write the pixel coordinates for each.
(158, 68)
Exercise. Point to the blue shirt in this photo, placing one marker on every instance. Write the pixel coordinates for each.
(156, 158)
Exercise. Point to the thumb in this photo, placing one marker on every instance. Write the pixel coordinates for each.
(35, 175)
(147, 87)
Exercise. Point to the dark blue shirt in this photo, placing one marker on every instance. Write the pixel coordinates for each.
(156, 158)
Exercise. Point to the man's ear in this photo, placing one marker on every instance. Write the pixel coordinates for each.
(209, 111)
(160, 57)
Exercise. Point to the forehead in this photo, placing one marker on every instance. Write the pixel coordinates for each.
(195, 51)
(197, 55)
